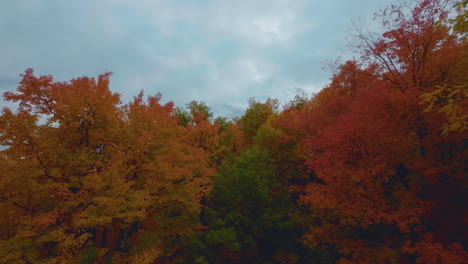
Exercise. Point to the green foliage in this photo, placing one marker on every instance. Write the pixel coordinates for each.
(298, 101)
(193, 113)
(89, 255)
(249, 215)
(256, 115)
(223, 236)
(183, 116)
(200, 108)
(243, 187)
(460, 23)
(223, 122)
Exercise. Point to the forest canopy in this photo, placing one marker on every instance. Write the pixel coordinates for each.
(371, 169)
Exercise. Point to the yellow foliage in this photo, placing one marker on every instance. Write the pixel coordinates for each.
(452, 103)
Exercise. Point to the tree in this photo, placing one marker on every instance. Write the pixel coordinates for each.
(389, 187)
(452, 103)
(460, 23)
(255, 116)
(197, 111)
(248, 216)
(200, 108)
(415, 52)
(86, 179)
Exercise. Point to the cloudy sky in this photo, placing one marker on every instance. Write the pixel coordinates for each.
(221, 52)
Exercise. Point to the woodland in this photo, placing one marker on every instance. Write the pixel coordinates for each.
(371, 169)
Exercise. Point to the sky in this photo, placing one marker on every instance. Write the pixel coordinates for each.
(221, 52)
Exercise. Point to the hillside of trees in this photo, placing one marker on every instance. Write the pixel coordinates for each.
(371, 169)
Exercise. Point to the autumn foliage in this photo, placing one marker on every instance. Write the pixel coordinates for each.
(83, 173)
(372, 169)
(390, 172)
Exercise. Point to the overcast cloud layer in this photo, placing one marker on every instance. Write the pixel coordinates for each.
(220, 52)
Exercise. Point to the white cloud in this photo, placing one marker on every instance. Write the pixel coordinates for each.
(254, 71)
(258, 22)
(218, 51)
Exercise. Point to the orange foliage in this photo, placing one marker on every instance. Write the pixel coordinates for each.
(82, 171)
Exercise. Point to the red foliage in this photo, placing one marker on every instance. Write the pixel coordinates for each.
(386, 180)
